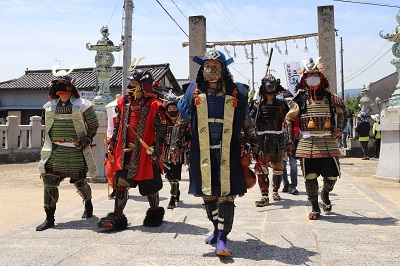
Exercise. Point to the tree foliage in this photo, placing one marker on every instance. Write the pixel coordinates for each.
(352, 106)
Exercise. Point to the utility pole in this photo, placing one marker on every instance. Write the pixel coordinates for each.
(341, 66)
(127, 39)
(252, 70)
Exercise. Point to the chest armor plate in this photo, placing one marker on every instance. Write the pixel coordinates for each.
(270, 118)
(135, 113)
(317, 117)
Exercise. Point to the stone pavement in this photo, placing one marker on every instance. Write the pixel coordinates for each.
(362, 229)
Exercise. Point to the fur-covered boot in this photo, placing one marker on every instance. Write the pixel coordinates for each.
(154, 217)
(113, 220)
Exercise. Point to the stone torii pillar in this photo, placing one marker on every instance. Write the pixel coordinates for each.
(326, 44)
(104, 60)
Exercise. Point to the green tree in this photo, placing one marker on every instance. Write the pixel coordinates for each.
(352, 106)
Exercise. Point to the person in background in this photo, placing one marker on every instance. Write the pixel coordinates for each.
(175, 148)
(291, 157)
(363, 127)
(377, 134)
(345, 135)
(70, 125)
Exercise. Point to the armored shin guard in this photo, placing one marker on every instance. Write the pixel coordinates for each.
(312, 189)
(329, 183)
(212, 214)
(51, 183)
(276, 181)
(174, 193)
(121, 198)
(174, 187)
(85, 192)
(226, 211)
(263, 183)
(178, 193)
(154, 200)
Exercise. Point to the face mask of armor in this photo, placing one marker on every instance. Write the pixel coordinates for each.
(173, 114)
(61, 87)
(135, 91)
(313, 81)
(212, 74)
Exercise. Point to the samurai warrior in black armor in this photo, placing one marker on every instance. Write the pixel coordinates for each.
(176, 146)
(136, 147)
(269, 123)
(321, 115)
(70, 125)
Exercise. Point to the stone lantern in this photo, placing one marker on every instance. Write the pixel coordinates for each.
(104, 60)
(388, 166)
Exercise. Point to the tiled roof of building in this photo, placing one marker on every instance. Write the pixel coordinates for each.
(87, 79)
(183, 81)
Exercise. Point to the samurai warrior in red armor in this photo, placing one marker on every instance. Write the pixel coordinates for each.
(136, 147)
(269, 120)
(321, 114)
(175, 148)
(70, 125)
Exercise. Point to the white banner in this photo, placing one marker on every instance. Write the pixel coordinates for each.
(88, 95)
(292, 75)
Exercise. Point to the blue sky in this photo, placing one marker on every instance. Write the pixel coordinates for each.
(39, 34)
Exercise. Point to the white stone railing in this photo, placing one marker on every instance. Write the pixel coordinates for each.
(15, 136)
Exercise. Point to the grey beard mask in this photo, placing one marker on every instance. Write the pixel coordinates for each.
(212, 74)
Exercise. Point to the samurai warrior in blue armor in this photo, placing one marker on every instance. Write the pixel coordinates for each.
(217, 109)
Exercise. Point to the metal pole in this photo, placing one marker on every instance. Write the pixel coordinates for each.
(128, 5)
(252, 69)
(341, 66)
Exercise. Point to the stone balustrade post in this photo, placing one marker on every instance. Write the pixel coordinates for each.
(12, 132)
(36, 132)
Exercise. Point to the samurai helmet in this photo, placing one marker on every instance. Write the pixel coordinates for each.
(171, 98)
(311, 67)
(214, 55)
(62, 82)
(144, 78)
(271, 85)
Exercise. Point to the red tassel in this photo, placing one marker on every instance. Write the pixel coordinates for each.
(196, 96)
(234, 100)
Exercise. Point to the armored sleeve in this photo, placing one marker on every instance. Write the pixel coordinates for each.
(250, 131)
(113, 140)
(160, 126)
(290, 118)
(340, 118)
(92, 122)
